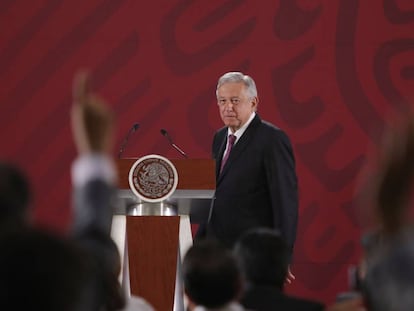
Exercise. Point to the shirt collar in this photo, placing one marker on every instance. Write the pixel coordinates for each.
(241, 130)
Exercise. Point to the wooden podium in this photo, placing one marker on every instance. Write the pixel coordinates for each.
(152, 243)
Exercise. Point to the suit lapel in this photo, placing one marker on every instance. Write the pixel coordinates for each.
(239, 147)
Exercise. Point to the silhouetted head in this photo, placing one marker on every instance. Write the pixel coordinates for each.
(211, 275)
(40, 271)
(106, 263)
(15, 195)
(263, 257)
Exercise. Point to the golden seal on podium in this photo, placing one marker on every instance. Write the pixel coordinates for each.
(153, 178)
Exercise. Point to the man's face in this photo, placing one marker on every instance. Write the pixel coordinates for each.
(235, 105)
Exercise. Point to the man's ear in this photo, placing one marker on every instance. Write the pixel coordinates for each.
(255, 102)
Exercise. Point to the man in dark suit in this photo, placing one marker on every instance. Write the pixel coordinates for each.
(256, 183)
(264, 261)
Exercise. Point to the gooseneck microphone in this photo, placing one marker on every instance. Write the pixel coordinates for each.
(166, 135)
(124, 143)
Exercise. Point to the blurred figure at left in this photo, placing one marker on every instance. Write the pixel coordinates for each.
(15, 196)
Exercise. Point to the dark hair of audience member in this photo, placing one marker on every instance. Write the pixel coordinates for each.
(263, 257)
(393, 176)
(15, 196)
(390, 270)
(106, 267)
(211, 275)
(40, 271)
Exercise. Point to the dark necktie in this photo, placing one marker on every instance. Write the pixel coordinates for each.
(231, 140)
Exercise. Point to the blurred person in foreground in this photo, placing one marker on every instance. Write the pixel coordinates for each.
(42, 271)
(264, 260)
(212, 280)
(15, 197)
(389, 278)
(388, 265)
(94, 178)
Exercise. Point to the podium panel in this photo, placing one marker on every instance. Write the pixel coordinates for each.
(152, 243)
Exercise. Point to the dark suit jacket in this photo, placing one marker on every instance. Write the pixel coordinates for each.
(268, 298)
(258, 184)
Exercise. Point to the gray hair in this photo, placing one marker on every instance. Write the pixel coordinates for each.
(234, 77)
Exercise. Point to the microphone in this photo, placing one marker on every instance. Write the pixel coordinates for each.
(166, 135)
(131, 130)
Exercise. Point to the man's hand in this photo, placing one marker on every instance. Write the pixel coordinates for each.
(91, 120)
(289, 277)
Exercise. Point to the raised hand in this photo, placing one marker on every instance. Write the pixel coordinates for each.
(92, 122)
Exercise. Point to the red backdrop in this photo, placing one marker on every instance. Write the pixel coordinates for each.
(329, 72)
